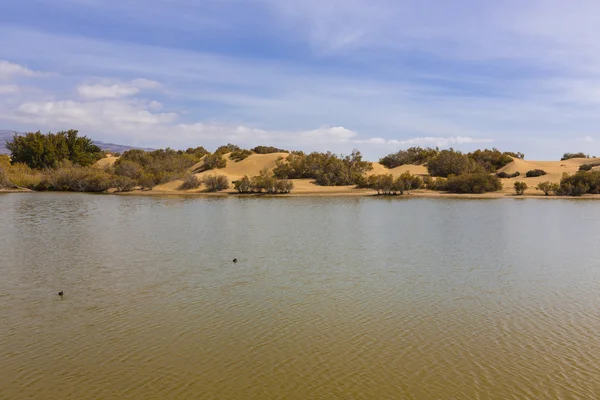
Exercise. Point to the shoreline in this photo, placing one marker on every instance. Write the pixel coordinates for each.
(417, 194)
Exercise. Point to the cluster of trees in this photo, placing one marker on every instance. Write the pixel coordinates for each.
(385, 184)
(489, 160)
(327, 169)
(39, 151)
(268, 150)
(476, 182)
(568, 156)
(264, 182)
(411, 156)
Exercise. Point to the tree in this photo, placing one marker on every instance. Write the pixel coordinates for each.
(520, 188)
(413, 155)
(451, 162)
(548, 187)
(46, 151)
(480, 182)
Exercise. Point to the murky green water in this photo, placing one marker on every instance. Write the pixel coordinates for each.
(349, 298)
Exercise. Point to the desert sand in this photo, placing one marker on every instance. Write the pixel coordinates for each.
(252, 166)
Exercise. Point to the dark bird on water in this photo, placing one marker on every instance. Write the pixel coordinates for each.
(235, 260)
(61, 293)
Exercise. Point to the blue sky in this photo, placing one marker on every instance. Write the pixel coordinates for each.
(378, 75)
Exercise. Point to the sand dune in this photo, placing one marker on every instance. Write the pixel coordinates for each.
(106, 162)
(253, 164)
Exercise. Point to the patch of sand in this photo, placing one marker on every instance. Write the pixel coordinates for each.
(106, 162)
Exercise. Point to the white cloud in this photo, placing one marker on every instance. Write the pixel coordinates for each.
(440, 141)
(588, 139)
(106, 115)
(142, 83)
(9, 70)
(9, 89)
(100, 91)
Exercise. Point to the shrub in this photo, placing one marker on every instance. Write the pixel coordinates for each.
(580, 183)
(5, 182)
(77, 179)
(428, 182)
(197, 152)
(535, 172)
(586, 167)
(326, 168)
(387, 185)
(213, 161)
(451, 162)
(520, 188)
(491, 160)
(268, 150)
(568, 156)
(283, 186)
(129, 169)
(239, 155)
(473, 183)
(243, 185)
(216, 183)
(413, 155)
(228, 148)
(190, 181)
(505, 175)
(548, 187)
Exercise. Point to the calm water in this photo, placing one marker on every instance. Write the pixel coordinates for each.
(349, 298)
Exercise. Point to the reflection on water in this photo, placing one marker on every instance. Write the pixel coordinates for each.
(331, 298)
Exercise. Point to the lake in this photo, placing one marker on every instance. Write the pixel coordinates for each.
(331, 298)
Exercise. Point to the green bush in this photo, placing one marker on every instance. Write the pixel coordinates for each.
(213, 161)
(263, 182)
(216, 183)
(327, 169)
(46, 151)
(239, 155)
(386, 184)
(520, 188)
(491, 160)
(580, 183)
(413, 155)
(451, 162)
(155, 167)
(228, 148)
(197, 152)
(473, 183)
(268, 150)
(568, 156)
(548, 187)
(129, 169)
(505, 175)
(535, 172)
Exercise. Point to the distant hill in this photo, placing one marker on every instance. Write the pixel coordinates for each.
(115, 148)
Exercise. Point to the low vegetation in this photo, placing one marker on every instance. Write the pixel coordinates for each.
(505, 175)
(520, 188)
(588, 167)
(385, 184)
(239, 155)
(212, 161)
(228, 148)
(452, 162)
(215, 183)
(327, 169)
(568, 156)
(190, 181)
(268, 150)
(579, 184)
(478, 182)
(548, 187)
(413, 155)
(491, 160)
(265, 182)
(535, 173)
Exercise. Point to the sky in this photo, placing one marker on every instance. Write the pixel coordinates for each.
(377, 75)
